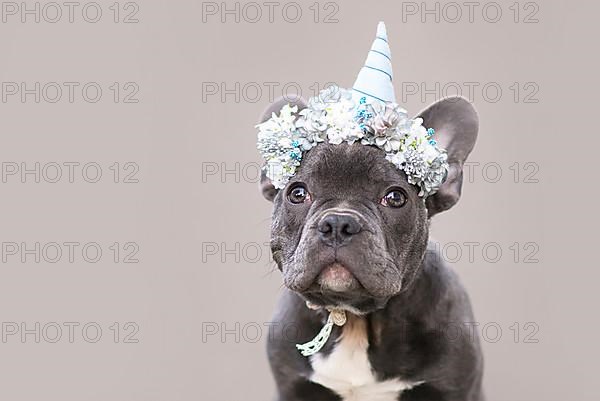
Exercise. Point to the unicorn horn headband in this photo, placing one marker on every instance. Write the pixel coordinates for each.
(375, 78)
(367, 114)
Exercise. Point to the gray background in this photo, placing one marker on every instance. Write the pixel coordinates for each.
(183, 219)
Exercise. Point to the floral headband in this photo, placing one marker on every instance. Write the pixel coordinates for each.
(367, 114)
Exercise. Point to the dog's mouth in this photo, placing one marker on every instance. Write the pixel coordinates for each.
(337, 278)
(336, 286)
(352, 277)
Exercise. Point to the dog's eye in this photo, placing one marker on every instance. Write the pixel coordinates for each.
(394, 198)
(298, 194)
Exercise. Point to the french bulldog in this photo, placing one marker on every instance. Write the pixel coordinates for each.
(349, 232)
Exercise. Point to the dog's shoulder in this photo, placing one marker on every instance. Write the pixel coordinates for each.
(440, 283)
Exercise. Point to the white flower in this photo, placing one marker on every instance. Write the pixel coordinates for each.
(276, 172)
(335, 136)
(285, 142)
(396, 158)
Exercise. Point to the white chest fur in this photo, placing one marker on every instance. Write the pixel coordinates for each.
(347, 371)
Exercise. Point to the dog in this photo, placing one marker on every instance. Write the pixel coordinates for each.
(349, 232)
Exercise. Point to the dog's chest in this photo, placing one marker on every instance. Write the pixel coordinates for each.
(348, 372)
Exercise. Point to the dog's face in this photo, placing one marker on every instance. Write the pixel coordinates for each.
(348, 229)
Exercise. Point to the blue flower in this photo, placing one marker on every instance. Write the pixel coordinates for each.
(296, 154)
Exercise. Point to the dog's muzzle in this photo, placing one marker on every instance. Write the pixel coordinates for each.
(336, 228)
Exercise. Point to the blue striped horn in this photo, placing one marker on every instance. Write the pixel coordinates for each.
(374, 80)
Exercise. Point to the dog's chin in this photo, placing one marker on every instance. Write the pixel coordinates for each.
(337, 287)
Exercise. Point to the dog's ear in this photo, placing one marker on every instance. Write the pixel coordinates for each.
(455, 122)
(266, 187)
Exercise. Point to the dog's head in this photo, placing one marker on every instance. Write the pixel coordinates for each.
(348, 229)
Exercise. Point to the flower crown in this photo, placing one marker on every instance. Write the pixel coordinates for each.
(334, 116)
(367, 114)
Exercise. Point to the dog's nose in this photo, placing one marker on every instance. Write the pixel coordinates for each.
(338, 229)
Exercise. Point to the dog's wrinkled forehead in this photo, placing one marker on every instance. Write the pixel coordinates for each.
(348, 168)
